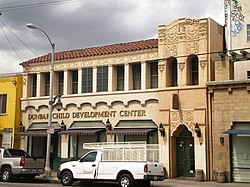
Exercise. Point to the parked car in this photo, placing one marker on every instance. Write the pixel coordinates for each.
(123, 165)
(18, 163)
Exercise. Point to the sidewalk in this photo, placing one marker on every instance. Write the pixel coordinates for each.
(167, 182)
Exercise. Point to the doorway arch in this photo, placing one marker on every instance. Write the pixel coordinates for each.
(183, 157)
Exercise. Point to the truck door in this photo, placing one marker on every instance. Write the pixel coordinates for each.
(88, 166)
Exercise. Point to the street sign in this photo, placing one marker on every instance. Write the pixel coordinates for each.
(50, 130)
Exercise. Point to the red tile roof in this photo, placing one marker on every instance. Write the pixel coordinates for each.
(97, 51)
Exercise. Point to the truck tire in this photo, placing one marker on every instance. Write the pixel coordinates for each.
(125, 180)
(6, 174)
(67, 178)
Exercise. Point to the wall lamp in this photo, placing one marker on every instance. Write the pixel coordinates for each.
(162, 130)
(222, 140)
(21, 127)
(197, 130)
(58, 104)
(63, 126)
(108, 125)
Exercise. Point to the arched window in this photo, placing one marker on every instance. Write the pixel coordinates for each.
(192, 70)
(172, 72)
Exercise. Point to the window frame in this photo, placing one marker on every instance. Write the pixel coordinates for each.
(136, 73)
(60, 82)
(46, 84)
(248, 74)
(87, 80)
(248, 32)
(33, 85)
(74, 82)
(120, 78)
(102, 79)
(153, 74)
(3, 103)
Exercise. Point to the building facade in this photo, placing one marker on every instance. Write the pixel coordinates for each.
(238, 35)
(10, 114)
(229, 98)
(151, 90)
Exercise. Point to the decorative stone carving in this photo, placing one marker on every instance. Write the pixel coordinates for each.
(172, 34)
(171, 50)
(192, 47)
(96, 62)
(192, 32)
(181, 66)
(203, 63)
(185, 117)
(161, 67)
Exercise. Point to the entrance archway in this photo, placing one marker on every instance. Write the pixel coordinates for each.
(184, 151)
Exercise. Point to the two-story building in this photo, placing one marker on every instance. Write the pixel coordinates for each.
(10, 114)
(152, 90)
(229, 99)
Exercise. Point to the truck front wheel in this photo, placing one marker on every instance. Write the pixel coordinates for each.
(6, 174)
(67, 178)
(125, 180)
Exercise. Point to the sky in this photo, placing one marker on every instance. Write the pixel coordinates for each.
(77, 24)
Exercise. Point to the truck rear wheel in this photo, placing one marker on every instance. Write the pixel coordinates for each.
(6, 174)
(125, 180)
(67, 178)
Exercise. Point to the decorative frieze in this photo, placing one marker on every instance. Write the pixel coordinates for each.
(95, 62)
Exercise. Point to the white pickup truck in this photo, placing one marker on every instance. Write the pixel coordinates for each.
(123, 164)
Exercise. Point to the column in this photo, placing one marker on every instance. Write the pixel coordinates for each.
(110, 78)
(65, 82)
(79, 80)
(143, 75)
(38, 85)
(126, 77)
(94, 79)
(162, 74)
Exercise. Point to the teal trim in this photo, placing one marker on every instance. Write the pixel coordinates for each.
(42, 125)
(136, 124)
(87, 124)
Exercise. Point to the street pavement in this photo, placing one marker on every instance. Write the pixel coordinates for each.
(169, 182)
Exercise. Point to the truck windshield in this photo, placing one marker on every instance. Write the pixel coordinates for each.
(16, 153)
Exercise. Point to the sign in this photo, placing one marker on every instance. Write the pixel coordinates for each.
(50, 130)
(89, 114)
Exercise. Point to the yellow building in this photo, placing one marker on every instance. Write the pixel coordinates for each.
(10, 94)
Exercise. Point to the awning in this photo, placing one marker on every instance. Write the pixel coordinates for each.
(87, 124)
(33, 133)
(140, 124)
(39, 129)
(233, 131)
(81, 131)
(131, 131)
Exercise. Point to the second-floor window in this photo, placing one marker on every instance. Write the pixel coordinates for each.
(248, 74)
(174, 72)
(248, 32)
(136, 72)
(87, 80)
(3, 103)
(46, 83)
(74, 82)
(33, 85)
(60, 82)
(154, 75)
(193, 70)
(120, 78)
(102, 78)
